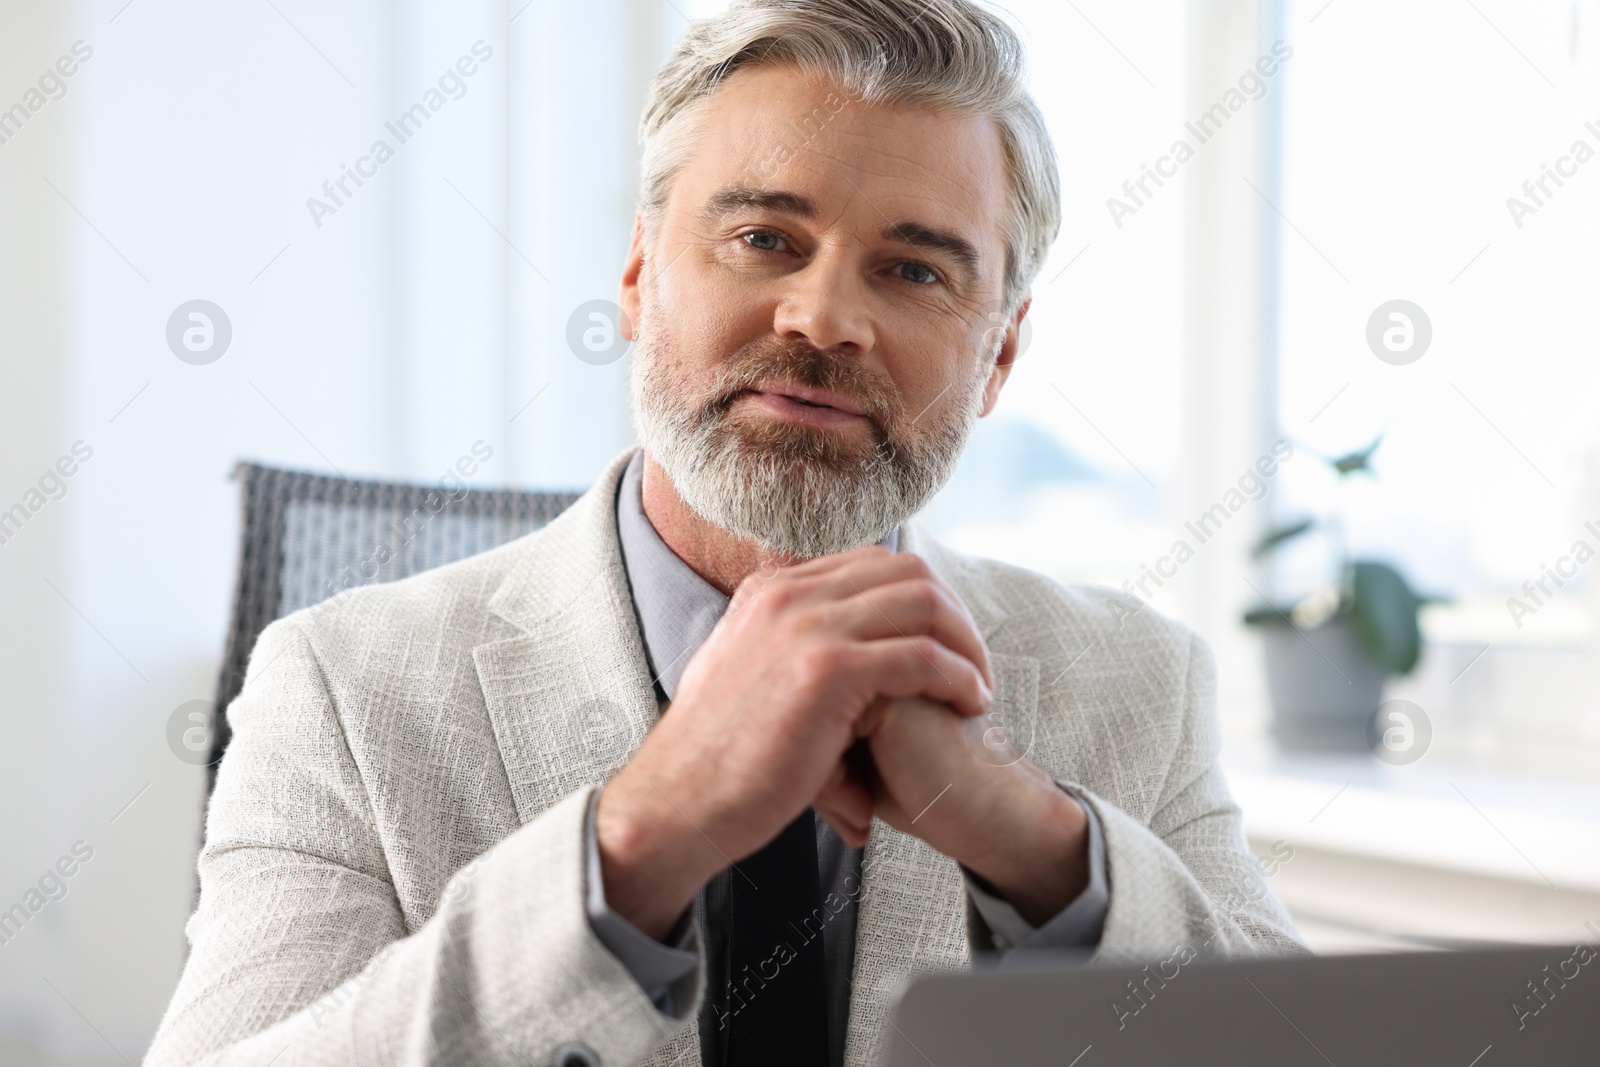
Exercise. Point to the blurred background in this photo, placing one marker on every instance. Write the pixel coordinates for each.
(1390, 238)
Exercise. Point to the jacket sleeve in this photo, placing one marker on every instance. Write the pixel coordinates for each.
(298, 951)
(1186, 880)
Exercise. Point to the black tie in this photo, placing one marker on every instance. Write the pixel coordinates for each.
(772, 1010)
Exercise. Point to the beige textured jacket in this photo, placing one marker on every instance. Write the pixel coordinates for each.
(456, 722)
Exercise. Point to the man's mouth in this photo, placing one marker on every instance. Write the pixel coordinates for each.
(784, 395)
(808, 407)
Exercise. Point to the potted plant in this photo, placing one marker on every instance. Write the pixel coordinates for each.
(1329, 652)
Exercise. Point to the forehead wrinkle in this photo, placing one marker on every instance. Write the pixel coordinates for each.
(917, 190)
(876, 139)
(920, 188)
(877, 168)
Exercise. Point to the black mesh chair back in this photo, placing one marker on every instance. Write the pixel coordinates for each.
(305, 537)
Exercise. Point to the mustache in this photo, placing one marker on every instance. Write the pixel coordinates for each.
(795, 362)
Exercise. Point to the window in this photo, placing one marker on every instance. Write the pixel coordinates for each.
(1449, 156)
(1071, 475)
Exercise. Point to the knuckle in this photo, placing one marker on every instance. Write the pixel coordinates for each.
(781, 591)
(926, 599)
(769, 602)
(922, 651)
(823, 660)
(750, 590)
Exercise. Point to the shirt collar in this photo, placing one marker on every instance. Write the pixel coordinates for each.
(677, 608)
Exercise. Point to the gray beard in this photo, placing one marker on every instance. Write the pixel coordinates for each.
(800, 505)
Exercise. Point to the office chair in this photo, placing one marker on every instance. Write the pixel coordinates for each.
(305, 537)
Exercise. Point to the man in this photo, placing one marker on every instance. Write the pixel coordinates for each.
(730, 749)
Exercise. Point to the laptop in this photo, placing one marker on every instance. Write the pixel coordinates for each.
(1502, 1007)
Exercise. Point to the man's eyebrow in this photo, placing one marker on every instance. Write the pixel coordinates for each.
(767, 199)
(917, 235)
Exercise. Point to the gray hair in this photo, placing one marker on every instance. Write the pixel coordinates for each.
(950, 54)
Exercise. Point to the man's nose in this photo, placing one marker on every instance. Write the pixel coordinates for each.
(826, 303)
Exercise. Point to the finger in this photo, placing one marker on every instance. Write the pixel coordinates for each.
(854, 836)
(845, 792)
(853, 572)
(826, 564)
(914, 606)
(819, 579)
(799, 574)
(849, 573)
(867, 724)
(873, 573)
(922, 601)
(919, 666)
(844, 823)
(901, 580)
(846, 805)
(752, 584)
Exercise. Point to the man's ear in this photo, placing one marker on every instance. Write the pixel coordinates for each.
(1010, 349)
(632, 267)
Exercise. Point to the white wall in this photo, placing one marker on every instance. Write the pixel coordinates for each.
(34, 625)
(383, 343)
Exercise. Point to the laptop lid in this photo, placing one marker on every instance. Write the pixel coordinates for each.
(1515, 1007)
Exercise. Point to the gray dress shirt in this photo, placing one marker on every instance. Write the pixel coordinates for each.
(677, 610)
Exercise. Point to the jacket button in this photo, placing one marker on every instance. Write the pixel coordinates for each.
(576, 1054)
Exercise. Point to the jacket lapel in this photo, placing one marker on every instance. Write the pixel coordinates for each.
(569, 696)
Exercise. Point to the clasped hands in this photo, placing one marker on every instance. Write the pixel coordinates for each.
(846, 684)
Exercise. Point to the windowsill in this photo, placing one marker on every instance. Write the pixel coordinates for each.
(1469, 820)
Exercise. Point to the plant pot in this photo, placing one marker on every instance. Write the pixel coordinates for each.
(1324, 686)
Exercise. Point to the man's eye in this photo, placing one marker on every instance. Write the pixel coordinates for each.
(764, 241)
(918, 273)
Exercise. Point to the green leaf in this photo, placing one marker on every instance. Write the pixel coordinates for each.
(1383, 614)
(1357, 461)
(1267, 615)
(1277, 536)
